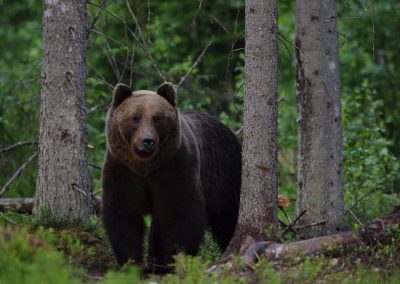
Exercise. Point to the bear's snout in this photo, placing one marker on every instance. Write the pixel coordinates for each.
(146, 147)
(148, 144)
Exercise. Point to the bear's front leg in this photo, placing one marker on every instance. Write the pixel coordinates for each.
(181, 229)
(126, 237)
(123, 207)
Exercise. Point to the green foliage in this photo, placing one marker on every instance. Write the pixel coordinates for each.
(266, 274)
(365, 275)
(71, 255)
(209, 249)
(192, 270)
(215, 84)
(26, 259)
(370, 90)
(370, 167)
(132, 274)
(93, 225)
(44, 217)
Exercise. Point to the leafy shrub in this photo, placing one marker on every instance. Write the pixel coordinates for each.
(370, 167)
(24, 258)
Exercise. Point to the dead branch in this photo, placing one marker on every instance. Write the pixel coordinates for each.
(25, 205)
(370, 234)
(18, 173)
(194, 65)
(103, 5)
(370, 4)
(19, 205)
(197, 12)
(143, 41)
(94, 166)
(320, 223)
(293, 223)
(214, 19)
(17, 145)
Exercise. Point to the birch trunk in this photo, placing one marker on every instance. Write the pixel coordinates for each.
(259, 197)
(320, 154)
(63, 186)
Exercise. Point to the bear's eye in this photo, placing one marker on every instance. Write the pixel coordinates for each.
(156, 119)
(136, 119)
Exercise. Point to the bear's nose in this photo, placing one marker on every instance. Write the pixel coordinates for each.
(148, 143)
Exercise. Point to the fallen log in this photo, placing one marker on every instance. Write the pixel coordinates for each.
(25, 205)
(18, 205)
(372, 233)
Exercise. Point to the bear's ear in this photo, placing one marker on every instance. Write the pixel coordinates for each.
(168, 92)
(120, 93)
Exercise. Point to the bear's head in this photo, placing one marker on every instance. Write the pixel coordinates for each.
(143, 126)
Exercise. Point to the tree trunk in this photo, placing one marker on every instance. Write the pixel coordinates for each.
(259, 192)
(320, 157)
(63, 186)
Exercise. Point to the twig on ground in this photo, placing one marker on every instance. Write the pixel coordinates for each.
(320, 223)
(18, 173)
(291, 225)
(354, 216)
(286, 215)
(7, 219)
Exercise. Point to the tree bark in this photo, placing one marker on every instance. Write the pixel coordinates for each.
(63, 186)
(320, 156)
(259, 197)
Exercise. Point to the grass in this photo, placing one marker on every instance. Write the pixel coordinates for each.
(30, 253)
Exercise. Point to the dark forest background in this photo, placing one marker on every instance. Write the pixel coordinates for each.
(164, 42)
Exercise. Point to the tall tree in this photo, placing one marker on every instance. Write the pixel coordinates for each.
(320, 156)
(259, 192)
(63, 186)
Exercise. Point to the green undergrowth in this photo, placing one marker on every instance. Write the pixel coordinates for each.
(31, 253)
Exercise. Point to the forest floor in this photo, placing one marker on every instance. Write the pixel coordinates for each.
(30, 253)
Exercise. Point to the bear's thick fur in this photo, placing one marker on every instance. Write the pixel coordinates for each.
(182, 168)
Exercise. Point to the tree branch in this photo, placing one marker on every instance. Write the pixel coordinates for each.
(17, 145)
(194, 65)
(17, 173)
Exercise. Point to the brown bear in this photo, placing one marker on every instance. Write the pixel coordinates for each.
(181, 168)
